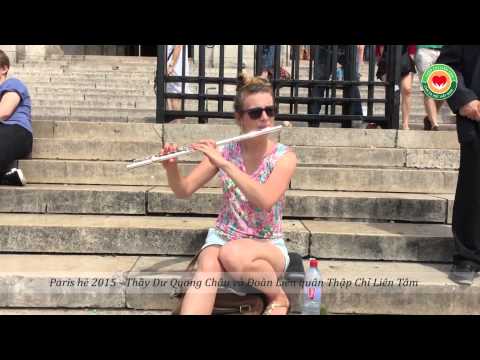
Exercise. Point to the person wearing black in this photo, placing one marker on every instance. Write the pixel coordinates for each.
(15, 125)
(322, 56)
(465, 60)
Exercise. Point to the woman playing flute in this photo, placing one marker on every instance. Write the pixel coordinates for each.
(247, 241)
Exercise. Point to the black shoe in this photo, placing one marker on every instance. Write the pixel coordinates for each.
(13, 178)
(426, 124)
(463, 272)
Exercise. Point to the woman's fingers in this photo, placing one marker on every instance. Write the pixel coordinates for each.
(209, 142)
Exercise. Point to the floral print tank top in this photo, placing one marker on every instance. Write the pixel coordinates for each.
(239, 218)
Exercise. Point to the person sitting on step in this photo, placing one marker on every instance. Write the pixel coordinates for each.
(16, 137)
(247, 241)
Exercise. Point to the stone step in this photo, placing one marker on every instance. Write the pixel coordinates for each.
(186, 133)
(140, 200)
(97, 131)
(117, 150)
(376, 180)
(368, 206)
(92, 112)
(126, 235)
(97, 84)
(99, 118)
(140, 114)
(113, 150)
(69, 312)
(35, 281)
(105, 93)
(305, 178)
(111, 102)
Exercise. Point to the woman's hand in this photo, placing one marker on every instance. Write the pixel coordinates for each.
(168, 149)
(209, 148)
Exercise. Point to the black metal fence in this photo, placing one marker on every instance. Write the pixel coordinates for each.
(324, 87)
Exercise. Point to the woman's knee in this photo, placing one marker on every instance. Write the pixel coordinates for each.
(232, 257)
(209, 261)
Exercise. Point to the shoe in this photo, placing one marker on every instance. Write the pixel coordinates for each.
(426, 124)
(463, 273)
(13, 178)
(436, 128)
(272, 306)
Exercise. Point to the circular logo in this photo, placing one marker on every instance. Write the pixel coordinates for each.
(439, 81)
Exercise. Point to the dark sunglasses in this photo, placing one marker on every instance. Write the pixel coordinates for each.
(256, 113)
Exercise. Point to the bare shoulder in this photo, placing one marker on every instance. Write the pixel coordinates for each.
(288, 160)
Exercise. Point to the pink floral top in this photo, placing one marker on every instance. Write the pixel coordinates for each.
(239, 218)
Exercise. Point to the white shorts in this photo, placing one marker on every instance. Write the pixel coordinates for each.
(424, 58)
(214, 238)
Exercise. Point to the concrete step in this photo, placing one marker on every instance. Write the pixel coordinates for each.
(305, 178)
(376, 180)
(82, 103)
(95, 112)
(35, 281)
(100, 234)
(126, 235)
(97, 84)
(115, 149)
(443, 127)
(69, 312)
(94, 150)
(186, 133)
(98, 118)
(75, 91)
(97, 131)
(369, 138)
(143, 200)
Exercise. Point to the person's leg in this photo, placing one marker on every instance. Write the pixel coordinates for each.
(406, 91)
(200, 301)
(15, 143)
(431, 107)
(260, 262)
(466, 212)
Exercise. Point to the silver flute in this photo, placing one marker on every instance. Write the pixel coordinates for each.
(187, 149)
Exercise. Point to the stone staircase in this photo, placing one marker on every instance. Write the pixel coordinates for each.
(374, 205)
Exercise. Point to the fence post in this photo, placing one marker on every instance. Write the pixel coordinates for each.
(349, 74)
(201, 84)
(160, 78)
(392, 106)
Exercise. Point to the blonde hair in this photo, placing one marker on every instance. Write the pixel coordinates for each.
(248, 85)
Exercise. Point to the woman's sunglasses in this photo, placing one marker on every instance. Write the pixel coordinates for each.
(256, 113)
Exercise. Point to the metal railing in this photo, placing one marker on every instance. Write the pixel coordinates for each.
(312, 94)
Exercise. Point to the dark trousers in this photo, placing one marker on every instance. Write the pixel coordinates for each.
(322, 70)
(15, 143)
(466, 209)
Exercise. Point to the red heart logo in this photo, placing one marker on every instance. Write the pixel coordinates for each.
(439, 81)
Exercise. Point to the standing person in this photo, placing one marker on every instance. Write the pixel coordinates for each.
(175, 60)
(15, 124)
(465, 60)
(425, 57)
(322, 56)
(322, 70)
(247, 240)
(267, 61)
(406, 75)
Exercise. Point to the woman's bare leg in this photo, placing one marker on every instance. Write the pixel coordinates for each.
(200, 301)
(406, 91)
(257, 261)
